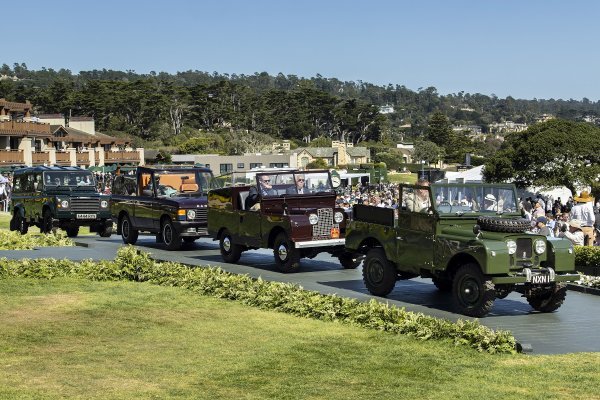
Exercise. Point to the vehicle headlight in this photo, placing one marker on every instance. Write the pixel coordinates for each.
(539, 246)
(313, 219)
(64, 203)
(512, 246)
(338, 217)
(104, 204)
(191, 214)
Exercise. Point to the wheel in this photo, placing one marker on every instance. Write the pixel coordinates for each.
(189, 239)
(286, 255)
(443, 284)
(170, 236)
(230, 252)
(20, 223)
(128, 234)
(548, 300)
(46, 225)
(473, 295)
(379, 274)
(349, 260)
(106, 231)
(72, 231)
(497, 224)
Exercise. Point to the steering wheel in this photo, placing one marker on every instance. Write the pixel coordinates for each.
(445, 204)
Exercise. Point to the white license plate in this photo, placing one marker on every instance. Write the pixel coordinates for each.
(85, 216)
(540, 279)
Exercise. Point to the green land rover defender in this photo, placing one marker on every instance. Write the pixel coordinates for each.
(58, 197)
(469, 239)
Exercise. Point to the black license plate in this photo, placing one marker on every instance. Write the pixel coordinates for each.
(543, 278)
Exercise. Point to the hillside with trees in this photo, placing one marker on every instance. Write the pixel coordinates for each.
(195, 111)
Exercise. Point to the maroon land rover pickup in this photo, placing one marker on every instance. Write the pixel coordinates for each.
(292, 212)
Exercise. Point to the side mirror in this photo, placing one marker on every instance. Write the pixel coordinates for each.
(476, 230)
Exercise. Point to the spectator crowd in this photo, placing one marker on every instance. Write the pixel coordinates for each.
(576, 219)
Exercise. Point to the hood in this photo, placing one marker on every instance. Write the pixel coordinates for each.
(189, 202)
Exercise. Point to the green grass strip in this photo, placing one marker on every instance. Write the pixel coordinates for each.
(133, 265)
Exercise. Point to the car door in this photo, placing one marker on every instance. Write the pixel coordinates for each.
(143, 203)
(248, 223)
(415, 235)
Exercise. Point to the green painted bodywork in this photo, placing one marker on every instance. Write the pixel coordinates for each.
(435, 244)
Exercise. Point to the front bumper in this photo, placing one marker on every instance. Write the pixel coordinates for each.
(320, 243)
(73, 218)
(191, 228)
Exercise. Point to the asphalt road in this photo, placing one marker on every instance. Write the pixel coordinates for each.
(573, 328)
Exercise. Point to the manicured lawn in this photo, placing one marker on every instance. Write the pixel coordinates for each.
(402, 178)
(70, 338)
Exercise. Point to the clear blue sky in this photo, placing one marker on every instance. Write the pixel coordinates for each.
(522, 48)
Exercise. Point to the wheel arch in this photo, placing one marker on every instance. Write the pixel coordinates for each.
(369, 243)
(458, 260)
(273, 234)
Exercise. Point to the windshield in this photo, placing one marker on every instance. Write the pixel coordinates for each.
(69, 178)
(460, 199)
(182, 183)
(293, 183)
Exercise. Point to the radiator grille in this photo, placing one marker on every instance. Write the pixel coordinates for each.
(85, 205)
(322, 229)
(524, 248)
(201, 214)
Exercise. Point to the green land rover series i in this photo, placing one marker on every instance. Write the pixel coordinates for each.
(469, 239)
(59, 197)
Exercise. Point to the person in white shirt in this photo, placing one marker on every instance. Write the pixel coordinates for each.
(573, 233)
(584, 211)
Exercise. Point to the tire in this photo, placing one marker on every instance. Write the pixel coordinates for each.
(189, 239)
(473, 295)
(549, 300)
(170, 236)
(106, 231)
(72, 231)
(286, 255)
(443, 284)
(379, 274)
(128, 234)
(349, 260)
(19, 223)
(46, 225)
(230, 252)
(497, 224)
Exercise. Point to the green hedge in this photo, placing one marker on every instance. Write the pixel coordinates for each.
(131, 264)
(587, 256)
(12, 240)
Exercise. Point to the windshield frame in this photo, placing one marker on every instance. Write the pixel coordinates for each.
(316, 182)
(204, 180)
(458, 199)
(53, 175)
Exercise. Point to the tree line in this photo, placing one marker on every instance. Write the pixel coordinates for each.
(195, 110)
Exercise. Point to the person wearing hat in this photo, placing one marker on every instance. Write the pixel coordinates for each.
(542, 228)
(573, 233)
(584, 211)
(489, 202)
